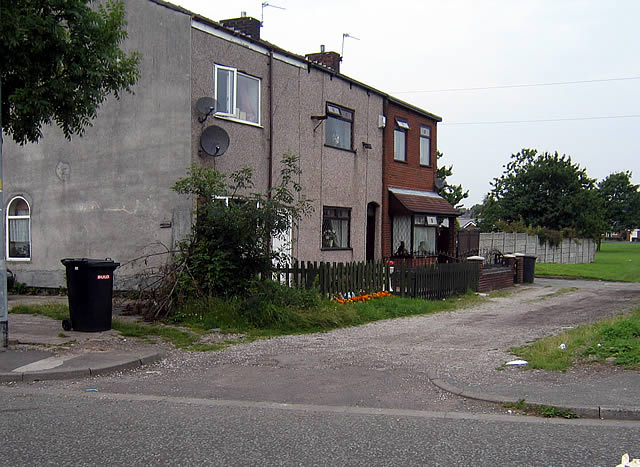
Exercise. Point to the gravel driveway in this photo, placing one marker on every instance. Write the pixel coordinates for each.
(388, 363)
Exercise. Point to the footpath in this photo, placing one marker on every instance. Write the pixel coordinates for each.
(39, 349)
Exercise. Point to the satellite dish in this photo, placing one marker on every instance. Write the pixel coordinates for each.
(440, 183)
(214, 141)
(205, 106)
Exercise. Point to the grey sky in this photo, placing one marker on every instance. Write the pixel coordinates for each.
(409, 47)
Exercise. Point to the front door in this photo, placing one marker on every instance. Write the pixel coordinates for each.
(371, 232)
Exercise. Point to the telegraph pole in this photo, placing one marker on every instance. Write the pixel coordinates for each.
(4, 307)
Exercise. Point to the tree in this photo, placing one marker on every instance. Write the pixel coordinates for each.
(454, 194)
(546, 191)
(60, 60)
(229, 246)
(621, 202)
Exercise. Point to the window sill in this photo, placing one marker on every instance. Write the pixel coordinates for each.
(401, 162)
(425, 166)
(18, 260)
(237, 120)
(336, 249)
(338, 147)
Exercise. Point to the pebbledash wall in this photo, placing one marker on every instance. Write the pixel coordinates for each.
(569, 251)
(107, 194)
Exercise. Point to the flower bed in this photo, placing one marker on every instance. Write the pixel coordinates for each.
(362, 298)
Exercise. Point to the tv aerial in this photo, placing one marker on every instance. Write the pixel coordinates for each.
(266, 4)
(344, 36)
(214, 141)
(205, 107)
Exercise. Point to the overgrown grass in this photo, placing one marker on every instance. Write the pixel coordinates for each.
(260, 318)
(617, 337)
(614, 262)
(269, 310)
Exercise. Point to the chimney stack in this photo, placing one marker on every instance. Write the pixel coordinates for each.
(329, 59)
(245, 24)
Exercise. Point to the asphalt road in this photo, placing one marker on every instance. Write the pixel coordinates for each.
(54, 427)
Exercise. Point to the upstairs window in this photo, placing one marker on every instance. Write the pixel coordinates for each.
(339, 127)
(18, 229)
(400, 140)
(237, 94)
(425, 146)
(336, 224)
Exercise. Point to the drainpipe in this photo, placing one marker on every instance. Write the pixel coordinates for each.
(270, 178)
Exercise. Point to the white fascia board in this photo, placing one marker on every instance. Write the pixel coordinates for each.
(248, 44)
(228, 37)
(404, 191)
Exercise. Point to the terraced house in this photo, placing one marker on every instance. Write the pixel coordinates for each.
(367, 159)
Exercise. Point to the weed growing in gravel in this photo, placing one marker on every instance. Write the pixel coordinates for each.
(546, 411)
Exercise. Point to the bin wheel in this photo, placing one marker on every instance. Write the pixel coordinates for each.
(66, 324)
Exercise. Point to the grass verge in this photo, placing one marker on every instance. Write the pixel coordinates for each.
(614, 262)
(278, 311)
(615, 339)
(264, 319)
(546, 411)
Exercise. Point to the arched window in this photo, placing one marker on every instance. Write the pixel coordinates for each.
(18, 229)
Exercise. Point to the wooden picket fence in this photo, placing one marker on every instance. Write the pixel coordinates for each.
(332, 279)
(435, 281)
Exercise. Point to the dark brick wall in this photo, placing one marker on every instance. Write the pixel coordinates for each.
(328, 59)
(246, 25)
(495, 279)
(409, 174)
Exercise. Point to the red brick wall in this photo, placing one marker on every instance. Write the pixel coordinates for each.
(494, 280)
(410, 174)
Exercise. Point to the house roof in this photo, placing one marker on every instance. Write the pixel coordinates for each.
(427, 202)
(311, 64)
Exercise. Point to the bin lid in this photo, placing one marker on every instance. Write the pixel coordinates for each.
(88, 262)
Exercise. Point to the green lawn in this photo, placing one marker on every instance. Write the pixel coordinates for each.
(615, 262)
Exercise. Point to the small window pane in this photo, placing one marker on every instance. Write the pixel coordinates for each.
(248, 98)
(425, 131)
(332, 109)
(338, 133)
(425, 151)
(403, 124)
(399, 145)
(424, 240)
(224, 91)
(401, 235)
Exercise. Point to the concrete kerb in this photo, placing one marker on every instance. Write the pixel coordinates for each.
(96, 370)
(605, 413)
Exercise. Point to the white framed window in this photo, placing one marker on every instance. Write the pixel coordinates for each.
(425, 146)
(339, 127)
(237, 94)
(414, 235)
(18, 224)
(424, 235)
(400, 145)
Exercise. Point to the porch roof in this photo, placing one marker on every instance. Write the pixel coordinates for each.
(426, 202)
